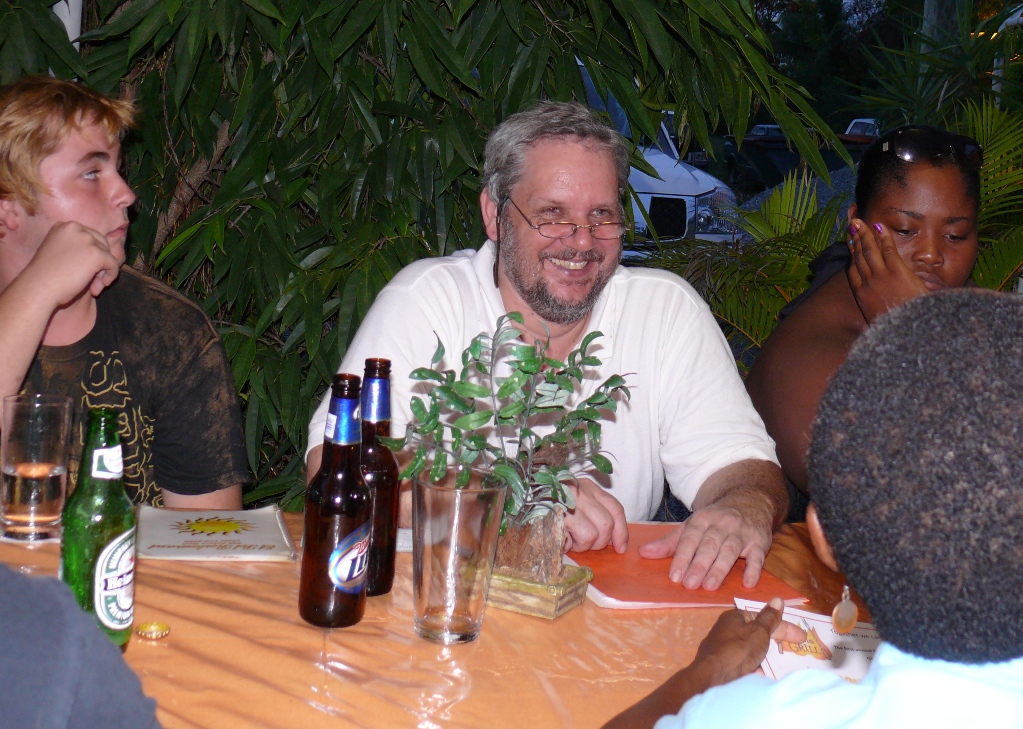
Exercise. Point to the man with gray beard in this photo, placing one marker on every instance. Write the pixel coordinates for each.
(554, 180)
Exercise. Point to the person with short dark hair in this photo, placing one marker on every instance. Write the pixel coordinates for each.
(916, 474)
(912, 231)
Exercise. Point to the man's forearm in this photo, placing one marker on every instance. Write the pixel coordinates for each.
(312, 463)
(754, 488)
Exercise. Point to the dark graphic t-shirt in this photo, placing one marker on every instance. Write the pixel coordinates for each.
(154, 356)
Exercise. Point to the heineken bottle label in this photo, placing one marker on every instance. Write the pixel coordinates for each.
(344, 421)
(114, 582)
(376, 400)
(348, 561)
(107, 463)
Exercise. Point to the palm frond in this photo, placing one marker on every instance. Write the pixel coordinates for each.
(752, 312)
(746, 283)
(999, 264)
(1000, 134)
(784, 211)
(705, 264)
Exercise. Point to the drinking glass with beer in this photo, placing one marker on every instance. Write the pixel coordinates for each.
(34, 454)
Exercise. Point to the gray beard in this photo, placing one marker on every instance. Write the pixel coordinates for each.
(537, 295)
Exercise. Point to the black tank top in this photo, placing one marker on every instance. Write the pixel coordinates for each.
(834, 258)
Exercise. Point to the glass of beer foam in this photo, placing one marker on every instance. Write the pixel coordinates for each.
(34, 453)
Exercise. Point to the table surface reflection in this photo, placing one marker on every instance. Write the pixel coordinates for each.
(238, 654)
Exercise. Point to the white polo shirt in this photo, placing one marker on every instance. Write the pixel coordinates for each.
(899, 690)
(689, 414)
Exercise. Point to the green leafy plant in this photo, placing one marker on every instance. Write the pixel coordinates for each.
(476, 418)
(1000, 219)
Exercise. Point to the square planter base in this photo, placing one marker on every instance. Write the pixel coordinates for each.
(542, 600)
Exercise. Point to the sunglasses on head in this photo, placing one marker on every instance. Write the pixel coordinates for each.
(926, 144)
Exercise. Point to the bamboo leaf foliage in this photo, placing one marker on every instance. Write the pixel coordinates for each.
(292, 156)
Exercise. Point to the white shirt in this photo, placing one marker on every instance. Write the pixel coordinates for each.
(689, 414)
(899, 690)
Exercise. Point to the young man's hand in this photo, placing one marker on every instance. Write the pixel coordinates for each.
(72, 259)
(738, 642)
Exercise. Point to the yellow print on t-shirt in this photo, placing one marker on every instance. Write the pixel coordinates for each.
(106, 385)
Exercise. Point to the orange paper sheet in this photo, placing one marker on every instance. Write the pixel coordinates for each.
(633, 582)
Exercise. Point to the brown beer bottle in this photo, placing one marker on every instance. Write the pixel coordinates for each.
(332, 593)
(380, 471)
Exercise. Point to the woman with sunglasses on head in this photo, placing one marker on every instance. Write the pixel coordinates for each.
(911, 231)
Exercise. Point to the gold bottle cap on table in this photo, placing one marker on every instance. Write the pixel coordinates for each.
(153, 631)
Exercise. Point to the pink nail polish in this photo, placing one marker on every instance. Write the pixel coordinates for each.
(878, 228)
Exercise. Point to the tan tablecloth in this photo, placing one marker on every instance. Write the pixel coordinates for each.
(239, 655)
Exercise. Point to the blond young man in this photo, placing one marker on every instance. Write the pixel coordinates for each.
(74, 322)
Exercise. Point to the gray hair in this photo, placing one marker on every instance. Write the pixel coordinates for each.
(510, 141)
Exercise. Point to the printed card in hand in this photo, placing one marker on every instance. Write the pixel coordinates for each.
(848, 656)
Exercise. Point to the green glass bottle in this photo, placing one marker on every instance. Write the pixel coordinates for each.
(98, 545)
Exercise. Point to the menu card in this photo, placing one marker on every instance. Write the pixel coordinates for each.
(256, 535)
(848, 656)
(630, 582)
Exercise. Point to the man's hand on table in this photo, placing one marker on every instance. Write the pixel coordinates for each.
(596, 521)
(734, 515)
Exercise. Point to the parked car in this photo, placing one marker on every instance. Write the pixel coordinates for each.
(762, 160)
(859, 135)
(686, 201)
(865, 128)
(766, 156)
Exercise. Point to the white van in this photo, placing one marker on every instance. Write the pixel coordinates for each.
(686, 202)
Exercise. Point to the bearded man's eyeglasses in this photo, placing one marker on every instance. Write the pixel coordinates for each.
(922, 144)
(610, 230)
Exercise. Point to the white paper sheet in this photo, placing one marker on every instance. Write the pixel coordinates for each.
(848, 656)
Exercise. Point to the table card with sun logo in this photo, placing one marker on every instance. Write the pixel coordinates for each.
(255, 535)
